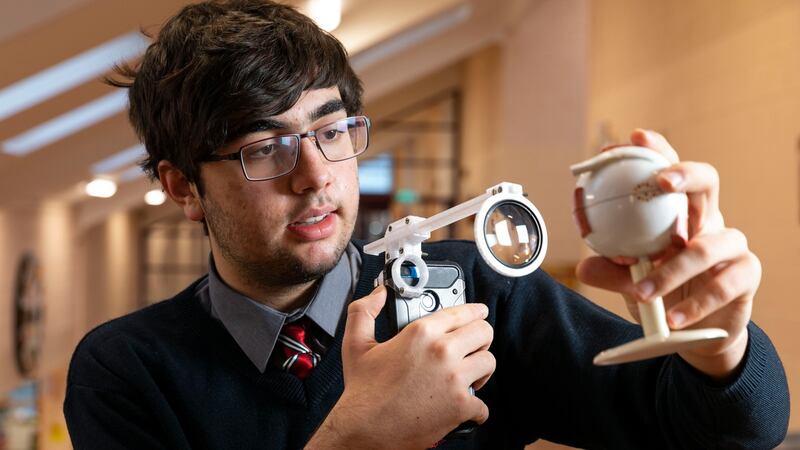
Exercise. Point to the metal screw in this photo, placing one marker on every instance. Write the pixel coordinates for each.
(401, 251)
(390, 228)
(455, 291)
(494, 191)
(402, 290)
(408, 220)
(500, 189)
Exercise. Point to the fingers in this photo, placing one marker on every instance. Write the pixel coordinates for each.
(478, 368)
(689, 176)
(359, 333)
(701, 182)
(738, 279)
(449, 319)
(611, 147)
(655, 141)
(600, 272)
(470, 338)
(701, 254)
(479, 408)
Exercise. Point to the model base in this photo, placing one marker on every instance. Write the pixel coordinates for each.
(653, 346)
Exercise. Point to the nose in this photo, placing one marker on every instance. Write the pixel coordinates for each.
(313, 170)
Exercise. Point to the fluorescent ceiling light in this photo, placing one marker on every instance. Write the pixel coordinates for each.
(66, 124)
(119, 160)
(70, 73)
(414, 36)
(134, 173)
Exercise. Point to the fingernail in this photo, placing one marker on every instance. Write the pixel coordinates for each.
(675, 179)
(677, 318)
(645, 289)
(483, 310)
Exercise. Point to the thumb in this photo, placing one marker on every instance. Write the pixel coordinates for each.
(359, 332)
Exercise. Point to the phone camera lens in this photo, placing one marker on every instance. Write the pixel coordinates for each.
(429, 301)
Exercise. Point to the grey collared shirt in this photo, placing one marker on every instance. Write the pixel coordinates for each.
(255, 326)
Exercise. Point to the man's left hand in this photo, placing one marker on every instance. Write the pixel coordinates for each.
(708, 284)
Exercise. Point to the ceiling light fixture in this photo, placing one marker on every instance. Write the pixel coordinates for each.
(66, 124)
(326, 13)
(69, 73)
(131, 174)
(101, 188)
(155, 197)
(119, 160)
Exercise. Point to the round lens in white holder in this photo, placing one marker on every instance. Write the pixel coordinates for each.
(400, 284)
(510, 234)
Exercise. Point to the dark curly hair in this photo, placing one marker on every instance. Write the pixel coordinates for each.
(218, 67)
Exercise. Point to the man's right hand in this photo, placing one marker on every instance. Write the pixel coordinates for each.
(411, 390)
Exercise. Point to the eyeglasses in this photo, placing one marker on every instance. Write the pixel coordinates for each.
(277, 156)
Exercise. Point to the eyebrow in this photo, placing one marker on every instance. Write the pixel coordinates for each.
(329, 107)
(267, 124)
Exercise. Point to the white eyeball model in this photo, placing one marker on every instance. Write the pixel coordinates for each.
(619, 207)
(621, 211)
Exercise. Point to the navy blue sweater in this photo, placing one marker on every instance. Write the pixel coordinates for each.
(171, 377)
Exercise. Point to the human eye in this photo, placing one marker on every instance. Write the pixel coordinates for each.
(330, 136)
(266, 150)
(333, 133)
(263, 150)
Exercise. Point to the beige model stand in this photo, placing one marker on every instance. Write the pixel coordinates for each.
(658, 340)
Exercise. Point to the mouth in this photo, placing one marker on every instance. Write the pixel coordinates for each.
(314, 224)
(313, 216)
(311, 220)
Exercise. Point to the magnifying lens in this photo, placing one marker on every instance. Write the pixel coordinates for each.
(510, 234)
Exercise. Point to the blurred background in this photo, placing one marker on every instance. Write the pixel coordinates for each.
(462, 94)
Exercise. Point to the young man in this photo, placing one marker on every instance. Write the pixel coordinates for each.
(251, 117)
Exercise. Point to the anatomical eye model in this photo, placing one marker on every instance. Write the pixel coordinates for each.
(621, 211)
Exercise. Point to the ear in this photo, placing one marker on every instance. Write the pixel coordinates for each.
(180, 190)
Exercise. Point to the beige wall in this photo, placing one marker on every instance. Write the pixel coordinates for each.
(48, 232)
(86, 278)
(720, 79)
(109, 253)
(542, 115)
(17, 237)
(45, 231)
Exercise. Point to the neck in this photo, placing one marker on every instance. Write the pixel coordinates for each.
(285, 298)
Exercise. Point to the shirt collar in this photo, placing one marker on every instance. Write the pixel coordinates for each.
(255, 326)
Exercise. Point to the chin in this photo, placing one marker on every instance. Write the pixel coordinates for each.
(325, 252)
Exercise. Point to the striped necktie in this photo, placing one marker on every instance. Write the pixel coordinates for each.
(292, 341)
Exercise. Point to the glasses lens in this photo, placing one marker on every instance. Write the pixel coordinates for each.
(344, 138)
(270, 158)
(512, 234)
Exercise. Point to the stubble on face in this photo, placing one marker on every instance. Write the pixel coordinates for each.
(269, 266)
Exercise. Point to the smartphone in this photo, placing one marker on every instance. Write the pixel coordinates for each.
(445, 288)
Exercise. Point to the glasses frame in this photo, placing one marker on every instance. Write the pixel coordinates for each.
(298, 137)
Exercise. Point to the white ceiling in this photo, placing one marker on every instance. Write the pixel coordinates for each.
(392, 44)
